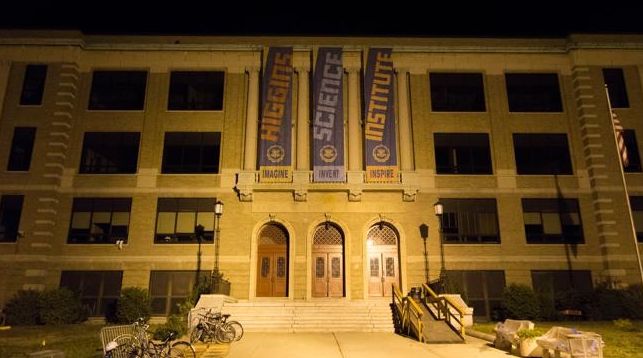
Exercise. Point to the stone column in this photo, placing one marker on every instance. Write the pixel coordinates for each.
(354, 126)
(252, 120)
(406, 139)
(303, 120)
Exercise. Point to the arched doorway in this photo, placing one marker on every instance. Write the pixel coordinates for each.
(328, 261)
(272, 261)
(383, 268)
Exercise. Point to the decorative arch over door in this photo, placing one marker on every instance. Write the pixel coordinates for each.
(383, 259)
(328, 261)
(272, 261)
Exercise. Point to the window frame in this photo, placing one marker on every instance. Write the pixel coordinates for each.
(169, 105)
(184, 238)
(188, 168)
(636, 204)
(550, 204)
(6, 236)
(40, 86)
(464, 150)
(14, 161)
(433, 92)
(100, 308)
(108, 141)
(631, 144)
(110, 106)
(617, 87)
(526, 167)
(487, 279)
(513, 98)
(109, 238)
(462, 238)
(168, 294)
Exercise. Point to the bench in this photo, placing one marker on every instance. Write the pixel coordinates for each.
(570, 342)
(506, 332)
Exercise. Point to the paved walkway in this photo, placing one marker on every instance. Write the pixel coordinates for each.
(353, 345)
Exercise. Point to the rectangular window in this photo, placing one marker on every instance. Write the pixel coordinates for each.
(169, 289)
(191, 152)
(196, 91)
(542, 154)
(634, 164)
(33, 85)
(482, 290)
(99, 220)
(636, 202)
(615, 82)
(551, 284)
(552, 221)
(462, 153)
(470, 221)
(118, 90)
(533, 92)
(110, 153)
(21, 149)
(457, 92)
(177, 218)
(98, 290)
(10, 210)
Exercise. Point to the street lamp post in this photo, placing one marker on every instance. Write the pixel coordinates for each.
(439, 210)
(218, 211)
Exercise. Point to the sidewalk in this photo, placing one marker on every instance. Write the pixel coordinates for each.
(353, 345)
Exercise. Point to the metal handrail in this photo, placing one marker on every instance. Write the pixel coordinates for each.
(443, 307)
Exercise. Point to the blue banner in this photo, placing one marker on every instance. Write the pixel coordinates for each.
(379, 118)
(328, 117)
(275, 144)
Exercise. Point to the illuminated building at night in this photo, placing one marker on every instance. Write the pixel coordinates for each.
(328, 155)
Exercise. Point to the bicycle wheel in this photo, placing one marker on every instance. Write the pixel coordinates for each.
(196, 334)
(186, 349)
(225, 333)
(127, 347)
(238, 329)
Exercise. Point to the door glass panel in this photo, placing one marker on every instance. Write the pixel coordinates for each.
(390, 267)
(375, 266)
(281, 266)
(320, 267)
(265, 266)
(335, 267)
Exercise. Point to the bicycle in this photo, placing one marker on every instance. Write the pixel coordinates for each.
(139, 345)
(214, 327)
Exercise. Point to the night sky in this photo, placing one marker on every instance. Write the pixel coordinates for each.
(518, 18)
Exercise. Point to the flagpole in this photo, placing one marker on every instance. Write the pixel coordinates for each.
(627, 196)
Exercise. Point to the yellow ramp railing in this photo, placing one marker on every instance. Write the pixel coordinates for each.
(446, 310)
(409, 314)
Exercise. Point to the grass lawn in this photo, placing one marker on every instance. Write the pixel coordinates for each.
(618, 343)
(76, 340)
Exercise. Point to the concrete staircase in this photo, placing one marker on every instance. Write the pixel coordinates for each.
(312, 316)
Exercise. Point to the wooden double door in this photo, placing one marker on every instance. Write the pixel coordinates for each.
(383, 272)
(328, 272)
(272, 271)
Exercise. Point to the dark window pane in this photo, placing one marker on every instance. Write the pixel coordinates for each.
(457, 92)
(480, 289)
(462, 153)
(634, 160)
(542, 154)
(196, 91)
(118, 90)
(171, 288)
(191, 152)
(615, 82)
(176, 219)
(552, 221)
(470, 221)
(99, 220)
(637, 215)
(533, 92)
(550, 284)
(21, 149)
(33, 85)
(110, 153)
(10, 210)
(98, 290)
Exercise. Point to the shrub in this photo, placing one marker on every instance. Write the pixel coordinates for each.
(177, 323)
(23, 308)
(633, 302)
(608, 303)
(133, 304)
(520, 302)
(61, 306)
